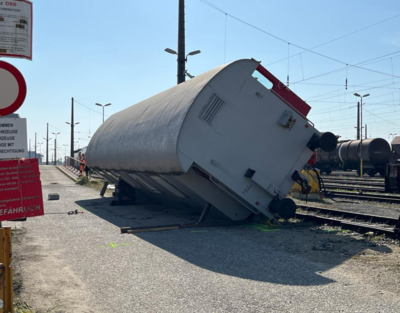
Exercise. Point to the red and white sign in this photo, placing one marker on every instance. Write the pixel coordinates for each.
(20, 189)
(12, 89)
(16, 29)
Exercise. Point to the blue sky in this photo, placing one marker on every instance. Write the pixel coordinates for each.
(113, 51)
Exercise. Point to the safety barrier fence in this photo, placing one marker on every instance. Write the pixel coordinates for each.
(72, 165)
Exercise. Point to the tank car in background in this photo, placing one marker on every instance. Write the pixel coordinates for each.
(392, 177)
(221, 140)
(376, 153)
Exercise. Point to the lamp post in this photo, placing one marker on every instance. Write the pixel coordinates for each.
(55, 148)
(361, 157)
(103, 105)
(47, 149)
(181, 65)
(393, 135)
(72, 136)
(40, 147)
(40, 152)
(65, 146)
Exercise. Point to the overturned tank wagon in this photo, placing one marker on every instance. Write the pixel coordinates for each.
(220, 140)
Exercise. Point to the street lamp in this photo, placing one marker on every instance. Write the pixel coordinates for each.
(393, 135)
(181, 64)
(55, 148)
(361, 157)
(72, 136)
(40, 147)
(101, 105)
(65, 145)
(47, 149)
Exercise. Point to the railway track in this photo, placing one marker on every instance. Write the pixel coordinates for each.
(362, 223)
(354, 188)
(354, 182)
(365, 197)
(347, 178)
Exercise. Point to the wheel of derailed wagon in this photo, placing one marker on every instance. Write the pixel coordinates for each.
(285, 208)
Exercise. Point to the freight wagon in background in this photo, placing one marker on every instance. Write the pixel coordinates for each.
(376, 153)
(220, 140)
(378, 157)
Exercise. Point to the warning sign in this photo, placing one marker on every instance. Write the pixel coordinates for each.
(16, 29)
(20, 189)
(13, 138)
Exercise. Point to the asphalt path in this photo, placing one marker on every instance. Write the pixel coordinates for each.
(82, 263)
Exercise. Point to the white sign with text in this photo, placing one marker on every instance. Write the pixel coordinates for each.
(13, 138)
(16, 29)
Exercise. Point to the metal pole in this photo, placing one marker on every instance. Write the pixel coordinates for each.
(72, 127)
(358, 120)
(361, 156)
(366, 133)
(55, 151)
(35, 146)
(181, 42)
(103, 113)
(47, 145)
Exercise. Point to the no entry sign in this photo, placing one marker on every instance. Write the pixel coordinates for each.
(20, 189)
(12, 89)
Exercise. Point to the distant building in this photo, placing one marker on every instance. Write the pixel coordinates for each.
(31, 155)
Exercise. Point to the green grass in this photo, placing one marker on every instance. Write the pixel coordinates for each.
(92, 183)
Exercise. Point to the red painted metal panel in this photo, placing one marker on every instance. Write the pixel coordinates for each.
(20, 189)
(283, 92)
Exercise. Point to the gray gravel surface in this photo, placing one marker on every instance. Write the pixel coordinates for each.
(82, 263)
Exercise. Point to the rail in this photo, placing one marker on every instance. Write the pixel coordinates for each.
(359, 222)
(365, 197)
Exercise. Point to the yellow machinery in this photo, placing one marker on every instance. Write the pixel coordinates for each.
(312, 178)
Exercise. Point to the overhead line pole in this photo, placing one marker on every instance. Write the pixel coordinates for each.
(35, 145)
(72, 127)
(47, 145)
(358, 121)
(181, 42)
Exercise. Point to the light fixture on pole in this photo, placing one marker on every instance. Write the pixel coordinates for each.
(361, 156)
(55, 148)
(181, 76)
(393, 135)
(47, 149)
(101, 105)
(72, 136)
(65, 145)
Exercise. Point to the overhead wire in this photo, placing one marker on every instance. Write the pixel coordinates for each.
(287, 42)
(63, 131)
(338, 38)
(88, 107)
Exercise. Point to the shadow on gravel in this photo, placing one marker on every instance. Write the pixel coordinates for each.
(295, 255)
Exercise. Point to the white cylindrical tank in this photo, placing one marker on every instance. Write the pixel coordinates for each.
(221, 138)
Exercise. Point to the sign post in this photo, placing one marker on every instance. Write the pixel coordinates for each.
(20, 186)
